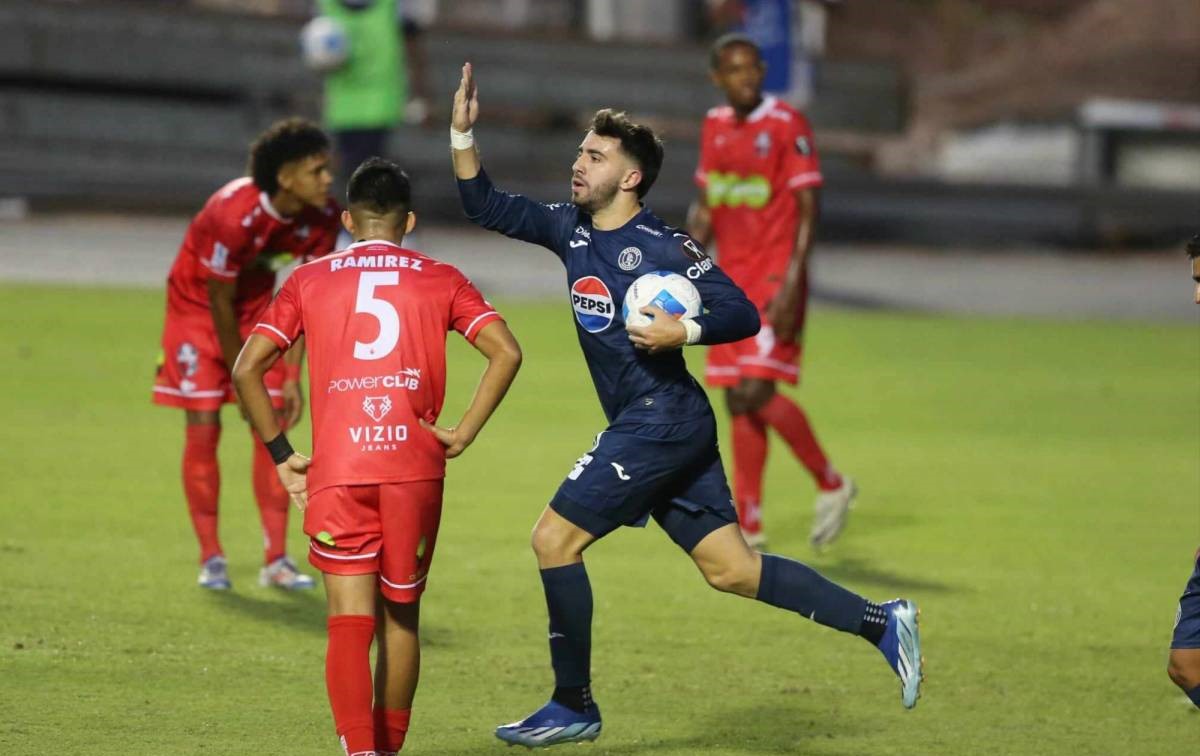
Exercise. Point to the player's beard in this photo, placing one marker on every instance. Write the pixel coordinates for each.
(598, 197)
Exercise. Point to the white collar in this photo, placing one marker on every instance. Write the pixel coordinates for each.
(369, 242)
(763, 107)
(265, 201)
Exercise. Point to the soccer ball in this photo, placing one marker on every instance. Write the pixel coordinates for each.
(324, 44)
(670, 291)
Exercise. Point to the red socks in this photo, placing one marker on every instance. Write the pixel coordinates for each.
(749, 459)
(750, 455)
(362, 729)
(391, 727)
(202, 484)
(348, 680)
(202, 487)
(272, 500)
(789, 421)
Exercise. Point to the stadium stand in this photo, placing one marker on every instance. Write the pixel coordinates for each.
(150, 105)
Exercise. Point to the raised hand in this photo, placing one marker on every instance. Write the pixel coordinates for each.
(466, 101)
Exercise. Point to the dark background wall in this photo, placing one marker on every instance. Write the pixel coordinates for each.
(151, 106)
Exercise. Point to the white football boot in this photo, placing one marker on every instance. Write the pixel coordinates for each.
(831, 511)
(282, 573)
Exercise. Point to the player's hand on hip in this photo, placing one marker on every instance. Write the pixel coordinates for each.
(293, 403)
(663, 334)
(455, 440)
(293, 474)
(466, 101)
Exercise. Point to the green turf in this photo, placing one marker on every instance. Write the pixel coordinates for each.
(1034, 486)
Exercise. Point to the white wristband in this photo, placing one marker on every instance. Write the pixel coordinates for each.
(462, 140)
(693, 331)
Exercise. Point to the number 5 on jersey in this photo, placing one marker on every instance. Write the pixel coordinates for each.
(382, 310)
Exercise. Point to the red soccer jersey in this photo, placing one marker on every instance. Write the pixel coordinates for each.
(375, 317)
(238, 235)
(749, 169)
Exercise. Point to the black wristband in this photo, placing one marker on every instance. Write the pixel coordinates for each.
(280, 449)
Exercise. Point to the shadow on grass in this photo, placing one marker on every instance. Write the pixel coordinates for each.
(858, 571)
(759, 730)
(306, 612)
(299, 611)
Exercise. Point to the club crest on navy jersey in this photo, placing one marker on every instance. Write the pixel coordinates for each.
(630, 258)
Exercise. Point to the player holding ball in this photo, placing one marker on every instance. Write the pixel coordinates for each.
(658, 455)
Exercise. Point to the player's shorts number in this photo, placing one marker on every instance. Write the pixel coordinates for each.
(580, 464)
(384, 312)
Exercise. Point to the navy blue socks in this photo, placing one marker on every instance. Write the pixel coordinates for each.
(1194, 694)
(791, 585)
(569, 603)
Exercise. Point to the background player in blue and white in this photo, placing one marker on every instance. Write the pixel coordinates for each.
(658, 456)
(1183, 664)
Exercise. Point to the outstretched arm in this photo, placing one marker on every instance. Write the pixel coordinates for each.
(510, 214)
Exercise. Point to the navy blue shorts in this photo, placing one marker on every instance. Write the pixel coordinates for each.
(635, 471)
(1187, 622)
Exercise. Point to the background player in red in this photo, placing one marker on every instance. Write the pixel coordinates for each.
(219, 285)
(758, 177)
(375, 316)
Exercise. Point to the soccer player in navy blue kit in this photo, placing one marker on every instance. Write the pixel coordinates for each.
(1183, 665)
(658, 456)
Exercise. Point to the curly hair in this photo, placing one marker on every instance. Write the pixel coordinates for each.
(285, 141)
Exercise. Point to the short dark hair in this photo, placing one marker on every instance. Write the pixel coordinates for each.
(638, 141)
(1193, 247)
(379, 186)
(726, 41)
(285, 141)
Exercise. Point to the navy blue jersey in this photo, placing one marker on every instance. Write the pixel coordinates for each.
(601, 265)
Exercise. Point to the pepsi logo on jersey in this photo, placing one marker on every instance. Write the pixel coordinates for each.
(593, 304)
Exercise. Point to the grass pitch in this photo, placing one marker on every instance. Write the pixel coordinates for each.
(1035, 486)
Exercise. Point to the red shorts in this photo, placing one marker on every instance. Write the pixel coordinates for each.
(760, 356)
(191, 368)
(390, 529)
